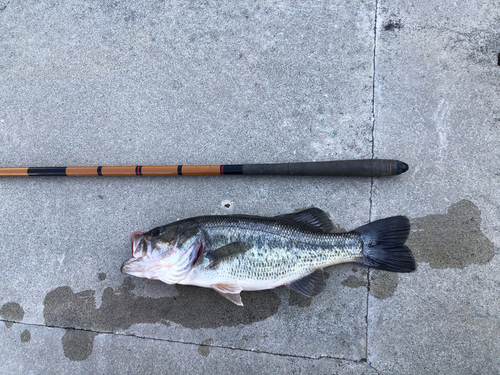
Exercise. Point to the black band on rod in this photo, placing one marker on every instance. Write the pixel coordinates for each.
(231, 169)
(179, 170)
(47, 171)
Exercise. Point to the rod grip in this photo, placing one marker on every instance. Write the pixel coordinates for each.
(341, 168)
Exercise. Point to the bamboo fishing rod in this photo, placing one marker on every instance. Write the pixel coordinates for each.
(341, 168)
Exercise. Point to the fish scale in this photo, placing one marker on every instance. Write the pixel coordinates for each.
(280, 252)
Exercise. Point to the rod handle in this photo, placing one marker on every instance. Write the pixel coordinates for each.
(344, 168)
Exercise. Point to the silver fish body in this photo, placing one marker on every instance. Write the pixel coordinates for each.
(235, 253)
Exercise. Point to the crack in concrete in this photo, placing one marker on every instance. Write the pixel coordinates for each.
(363, 360)
(374, 67)
(373, 368)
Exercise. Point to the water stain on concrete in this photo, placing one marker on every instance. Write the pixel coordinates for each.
(101, 276)
(13, 312)
(77, 344)
(355, 282)
(26, 336)
(451, 240)
(383, 284)
(204, 348)
(193, 308)
(299, 300)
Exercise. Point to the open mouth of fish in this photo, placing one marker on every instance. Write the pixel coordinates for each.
(139, 249)
(136, 242)
(144, 262)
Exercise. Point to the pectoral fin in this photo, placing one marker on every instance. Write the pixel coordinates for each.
(225, 252)
(229, 291)
(311, 285)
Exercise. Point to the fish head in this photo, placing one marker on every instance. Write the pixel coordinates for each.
(166, 253)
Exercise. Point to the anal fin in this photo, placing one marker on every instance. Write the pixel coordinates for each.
(311, 285)
(229, 291)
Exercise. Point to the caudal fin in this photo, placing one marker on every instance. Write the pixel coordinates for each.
(383, 245)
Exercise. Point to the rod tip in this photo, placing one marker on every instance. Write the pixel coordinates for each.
(401, 167)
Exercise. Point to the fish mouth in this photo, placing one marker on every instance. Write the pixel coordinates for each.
(134, 267)
(136, 240)
(125, 268)
(131, 266)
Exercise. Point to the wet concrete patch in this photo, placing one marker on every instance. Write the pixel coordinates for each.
(383, 284)
(355, 281)
(451, 240)
(101, 276)
(299, 300)
(77, 344)
(12, 312)
(26, 336)
(120, 309)
(204, 348)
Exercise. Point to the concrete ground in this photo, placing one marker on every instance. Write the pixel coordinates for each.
(178, 82)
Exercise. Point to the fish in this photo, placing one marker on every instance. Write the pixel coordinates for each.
(234, 253)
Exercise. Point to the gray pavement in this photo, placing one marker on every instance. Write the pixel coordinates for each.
(126, 83)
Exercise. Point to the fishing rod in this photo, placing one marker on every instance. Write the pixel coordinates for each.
(341, 168)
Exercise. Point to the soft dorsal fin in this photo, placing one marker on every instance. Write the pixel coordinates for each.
(311, 285)
(229, 250)
(229, 291)
(313, 219)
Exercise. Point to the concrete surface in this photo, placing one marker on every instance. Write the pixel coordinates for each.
(119, 83)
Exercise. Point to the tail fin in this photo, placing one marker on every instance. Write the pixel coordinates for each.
(383, 244)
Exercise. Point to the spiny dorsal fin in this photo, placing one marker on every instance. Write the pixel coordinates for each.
(229, 291)
(311, 285)
(313, 219)
(230, 250)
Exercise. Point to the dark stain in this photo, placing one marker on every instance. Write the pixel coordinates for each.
(354, 269)
(13, 312)
(297, 299)
(451, 240)
(77, 345)
(26, 336)
(204, 348)
(101, 276)
(193, 307)
(100, 196)
(383, 284)
(355, 282)
(393, 25)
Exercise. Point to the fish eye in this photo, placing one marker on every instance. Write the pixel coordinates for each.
(157, 232)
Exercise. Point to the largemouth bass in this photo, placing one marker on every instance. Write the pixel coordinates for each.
(240, 252)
